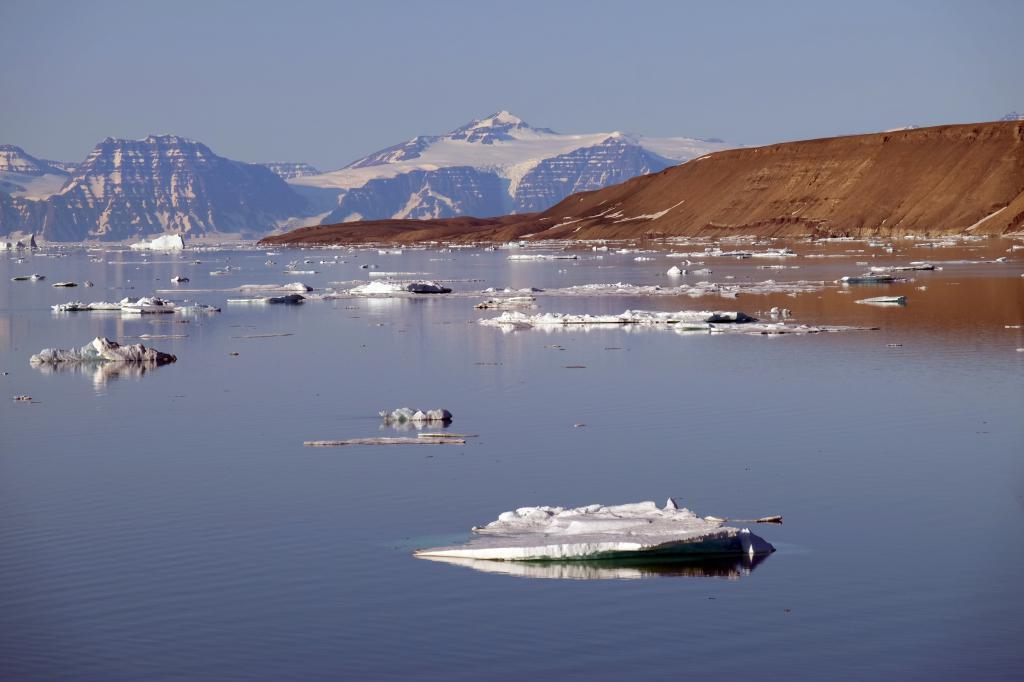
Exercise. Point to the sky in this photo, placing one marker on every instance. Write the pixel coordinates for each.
(328, 82)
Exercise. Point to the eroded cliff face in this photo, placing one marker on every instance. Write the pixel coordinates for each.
(127, 189)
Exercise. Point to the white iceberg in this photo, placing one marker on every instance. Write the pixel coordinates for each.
(167, 242)
(102, 350)
(603, 532)
(406, 414)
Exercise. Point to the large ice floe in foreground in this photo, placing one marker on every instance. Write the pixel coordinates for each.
(598, 532)
(102, 350)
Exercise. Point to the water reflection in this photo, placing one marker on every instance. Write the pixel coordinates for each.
(100, 373)
(730, 568)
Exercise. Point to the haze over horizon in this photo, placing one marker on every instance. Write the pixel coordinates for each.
(326, 84)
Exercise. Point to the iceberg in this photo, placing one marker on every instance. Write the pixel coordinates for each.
(102, 350)
(405, 414)
(167, 242)
(598, 532)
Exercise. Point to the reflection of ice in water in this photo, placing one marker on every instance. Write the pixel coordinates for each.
(730, 568)
(100, 373)
(417, 426)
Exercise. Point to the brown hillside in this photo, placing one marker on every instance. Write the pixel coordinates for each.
(941, 180)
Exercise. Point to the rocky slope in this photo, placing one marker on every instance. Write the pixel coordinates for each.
(926, 181)
(126, 189)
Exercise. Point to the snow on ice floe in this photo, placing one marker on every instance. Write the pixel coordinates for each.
(167, 242)
(596, 531)
(102, 350)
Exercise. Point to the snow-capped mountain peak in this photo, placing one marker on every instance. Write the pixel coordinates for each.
(495, 164)
(498, 127)
(14, 159)
(23, 175)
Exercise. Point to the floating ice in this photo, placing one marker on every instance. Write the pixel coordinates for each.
(406, 414)
(603, 532)
(378, 288)
(884, 300)
(544, 256)
(682, 321)
(871, 278)
(696, 319)
(178, 279)
(102, 350)
(293, 286)
(167, 242)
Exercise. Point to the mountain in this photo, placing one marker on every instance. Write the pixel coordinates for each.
(1013, 116)
(23, 175)
(127, 189)
(493, 165)
(286, 170)
(956, 179)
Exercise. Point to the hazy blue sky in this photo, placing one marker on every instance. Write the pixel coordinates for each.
(326, 82)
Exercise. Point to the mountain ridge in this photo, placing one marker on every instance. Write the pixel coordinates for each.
(954, 179)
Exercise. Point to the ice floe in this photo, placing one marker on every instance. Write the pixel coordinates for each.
(603, 532)
(167, 242)
(406, 414)
(378, 288)
(683, 321)
(884, 300)
(697, 319)
(297, 287)
(102, 350)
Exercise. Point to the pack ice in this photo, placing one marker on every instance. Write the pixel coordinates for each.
(596, 531)
(102, 350)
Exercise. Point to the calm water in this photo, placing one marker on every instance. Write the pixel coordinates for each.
(172, 526)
